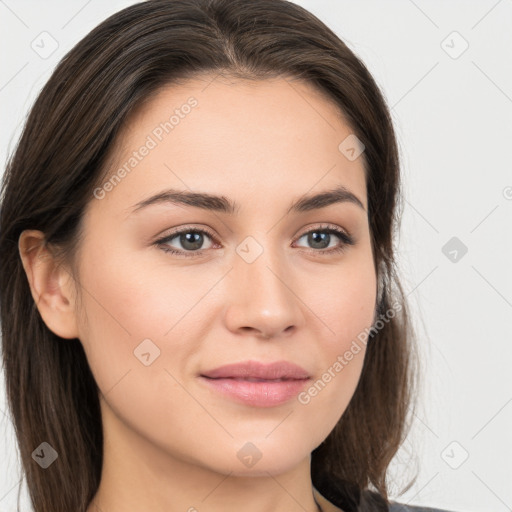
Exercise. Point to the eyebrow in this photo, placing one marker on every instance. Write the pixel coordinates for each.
(222, 204)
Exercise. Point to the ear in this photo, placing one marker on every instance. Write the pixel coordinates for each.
(52, 285)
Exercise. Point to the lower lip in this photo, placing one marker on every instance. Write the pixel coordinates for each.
(258, 394)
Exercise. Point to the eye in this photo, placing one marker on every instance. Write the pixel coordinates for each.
(191, 239)
(321, 237)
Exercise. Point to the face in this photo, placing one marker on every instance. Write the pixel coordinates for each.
(264, 282)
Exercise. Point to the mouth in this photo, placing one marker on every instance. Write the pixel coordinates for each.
(256, 392)
(257, 384)
(258, 370)
(251, 379)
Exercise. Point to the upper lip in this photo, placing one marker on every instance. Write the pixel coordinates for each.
(257, 370)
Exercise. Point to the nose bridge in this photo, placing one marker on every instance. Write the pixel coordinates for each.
(264, 272)
(261, 296)
(259, 266)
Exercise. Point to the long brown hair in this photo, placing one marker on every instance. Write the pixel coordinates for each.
(62, 155)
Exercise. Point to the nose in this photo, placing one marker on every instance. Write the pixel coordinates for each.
(261, 298)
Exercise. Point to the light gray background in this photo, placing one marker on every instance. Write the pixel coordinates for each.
(453, 116)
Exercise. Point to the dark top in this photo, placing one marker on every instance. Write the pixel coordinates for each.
(328, 506)
(335, 496)
(399, 507)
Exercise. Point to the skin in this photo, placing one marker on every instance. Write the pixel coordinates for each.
(171, 443)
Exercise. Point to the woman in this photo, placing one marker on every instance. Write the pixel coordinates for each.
(199, 302)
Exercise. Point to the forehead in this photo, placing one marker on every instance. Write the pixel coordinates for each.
(216, 134)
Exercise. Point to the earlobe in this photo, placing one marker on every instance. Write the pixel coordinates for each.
(51, 285)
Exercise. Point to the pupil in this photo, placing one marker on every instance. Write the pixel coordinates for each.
(188, 238)
(313, 238)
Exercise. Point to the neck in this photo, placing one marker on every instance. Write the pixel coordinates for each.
(137, 475)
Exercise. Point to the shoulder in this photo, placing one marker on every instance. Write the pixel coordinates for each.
(337, 495)
(367, 501)
(401, 507)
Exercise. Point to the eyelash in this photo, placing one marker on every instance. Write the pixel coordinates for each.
(346, 240)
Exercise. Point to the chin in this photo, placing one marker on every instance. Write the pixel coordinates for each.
(249, 461)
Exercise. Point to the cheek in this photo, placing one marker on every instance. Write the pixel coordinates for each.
(137, 367)
(345, 304)
(121, 308)
(132, 309)
(344, 301)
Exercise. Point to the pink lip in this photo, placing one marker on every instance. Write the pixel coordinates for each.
(257, 370)
(258, 384)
